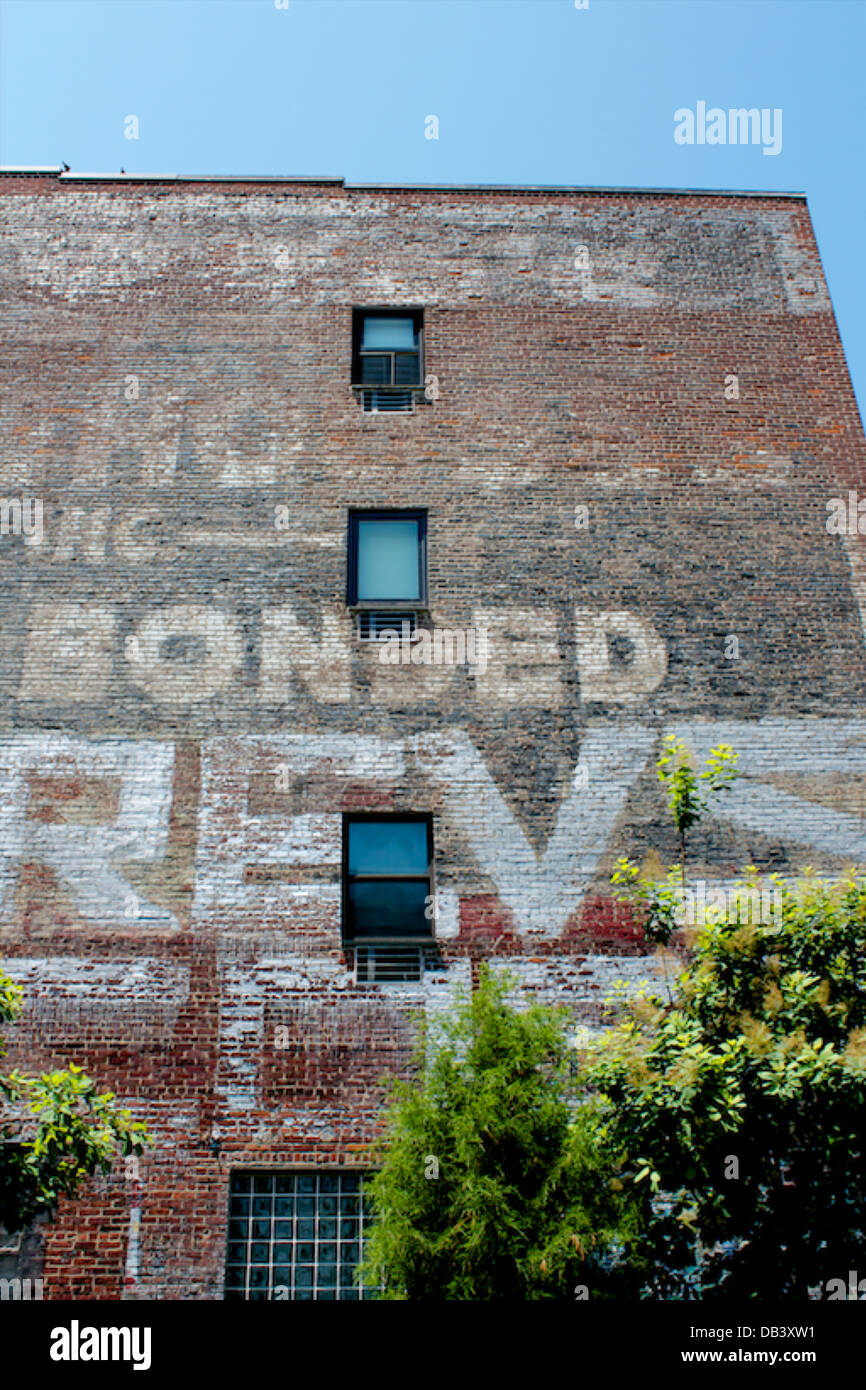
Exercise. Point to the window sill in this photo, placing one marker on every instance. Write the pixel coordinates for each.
(389, 605)
(352, 943)
(388, 386)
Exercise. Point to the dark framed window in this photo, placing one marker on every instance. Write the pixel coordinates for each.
(387, 879)
(295, 1236)
(387, 560)
(387, 347)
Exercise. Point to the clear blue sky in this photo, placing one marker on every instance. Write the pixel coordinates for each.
(526, 91)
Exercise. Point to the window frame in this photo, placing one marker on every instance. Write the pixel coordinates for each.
(409, 605)
(350, 941)
(388, 312)
(243, 1185)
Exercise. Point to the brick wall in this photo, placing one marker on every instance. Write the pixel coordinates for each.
(187, 714)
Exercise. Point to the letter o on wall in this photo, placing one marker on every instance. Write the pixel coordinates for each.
(181, 681)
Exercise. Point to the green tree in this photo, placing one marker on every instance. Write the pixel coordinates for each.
(740, 1102)
(660, 900)
(690, 791)
(491, 1185)
(56, 1130)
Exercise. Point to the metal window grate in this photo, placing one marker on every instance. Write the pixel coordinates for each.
(388, 402)
(372, 624)
(377, 965)
(295, 1236)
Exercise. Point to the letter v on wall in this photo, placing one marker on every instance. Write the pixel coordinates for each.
(542, 891)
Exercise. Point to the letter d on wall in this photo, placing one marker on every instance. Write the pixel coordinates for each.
(618, 682)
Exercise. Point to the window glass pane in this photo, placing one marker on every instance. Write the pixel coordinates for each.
(406, 369)
(388, 847)
(388, 560)
(388, 333)
(307, 1267)
(376, 371)
(389, 908)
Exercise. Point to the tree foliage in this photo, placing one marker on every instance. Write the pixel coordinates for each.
(491, 1185)
(690, 790)
(56, 1130)
(741, 1102)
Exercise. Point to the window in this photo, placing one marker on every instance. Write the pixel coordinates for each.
(295, 1236)
(387, 347)
(387, 892)
(387, 569)
(22, 1255)
(387, 358)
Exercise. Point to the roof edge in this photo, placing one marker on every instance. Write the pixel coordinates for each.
(71, 176)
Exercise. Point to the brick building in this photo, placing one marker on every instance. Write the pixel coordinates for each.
(576, 447)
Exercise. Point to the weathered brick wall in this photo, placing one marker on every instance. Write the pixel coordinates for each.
(177, 368)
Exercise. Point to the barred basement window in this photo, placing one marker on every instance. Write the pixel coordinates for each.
(296, 1235)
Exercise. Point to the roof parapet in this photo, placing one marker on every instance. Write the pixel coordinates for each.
(73, 176)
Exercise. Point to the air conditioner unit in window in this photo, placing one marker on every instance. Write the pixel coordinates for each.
(373, 624)
(388, 964)
(388, 402)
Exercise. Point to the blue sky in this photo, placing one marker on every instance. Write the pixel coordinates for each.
(525, 91)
